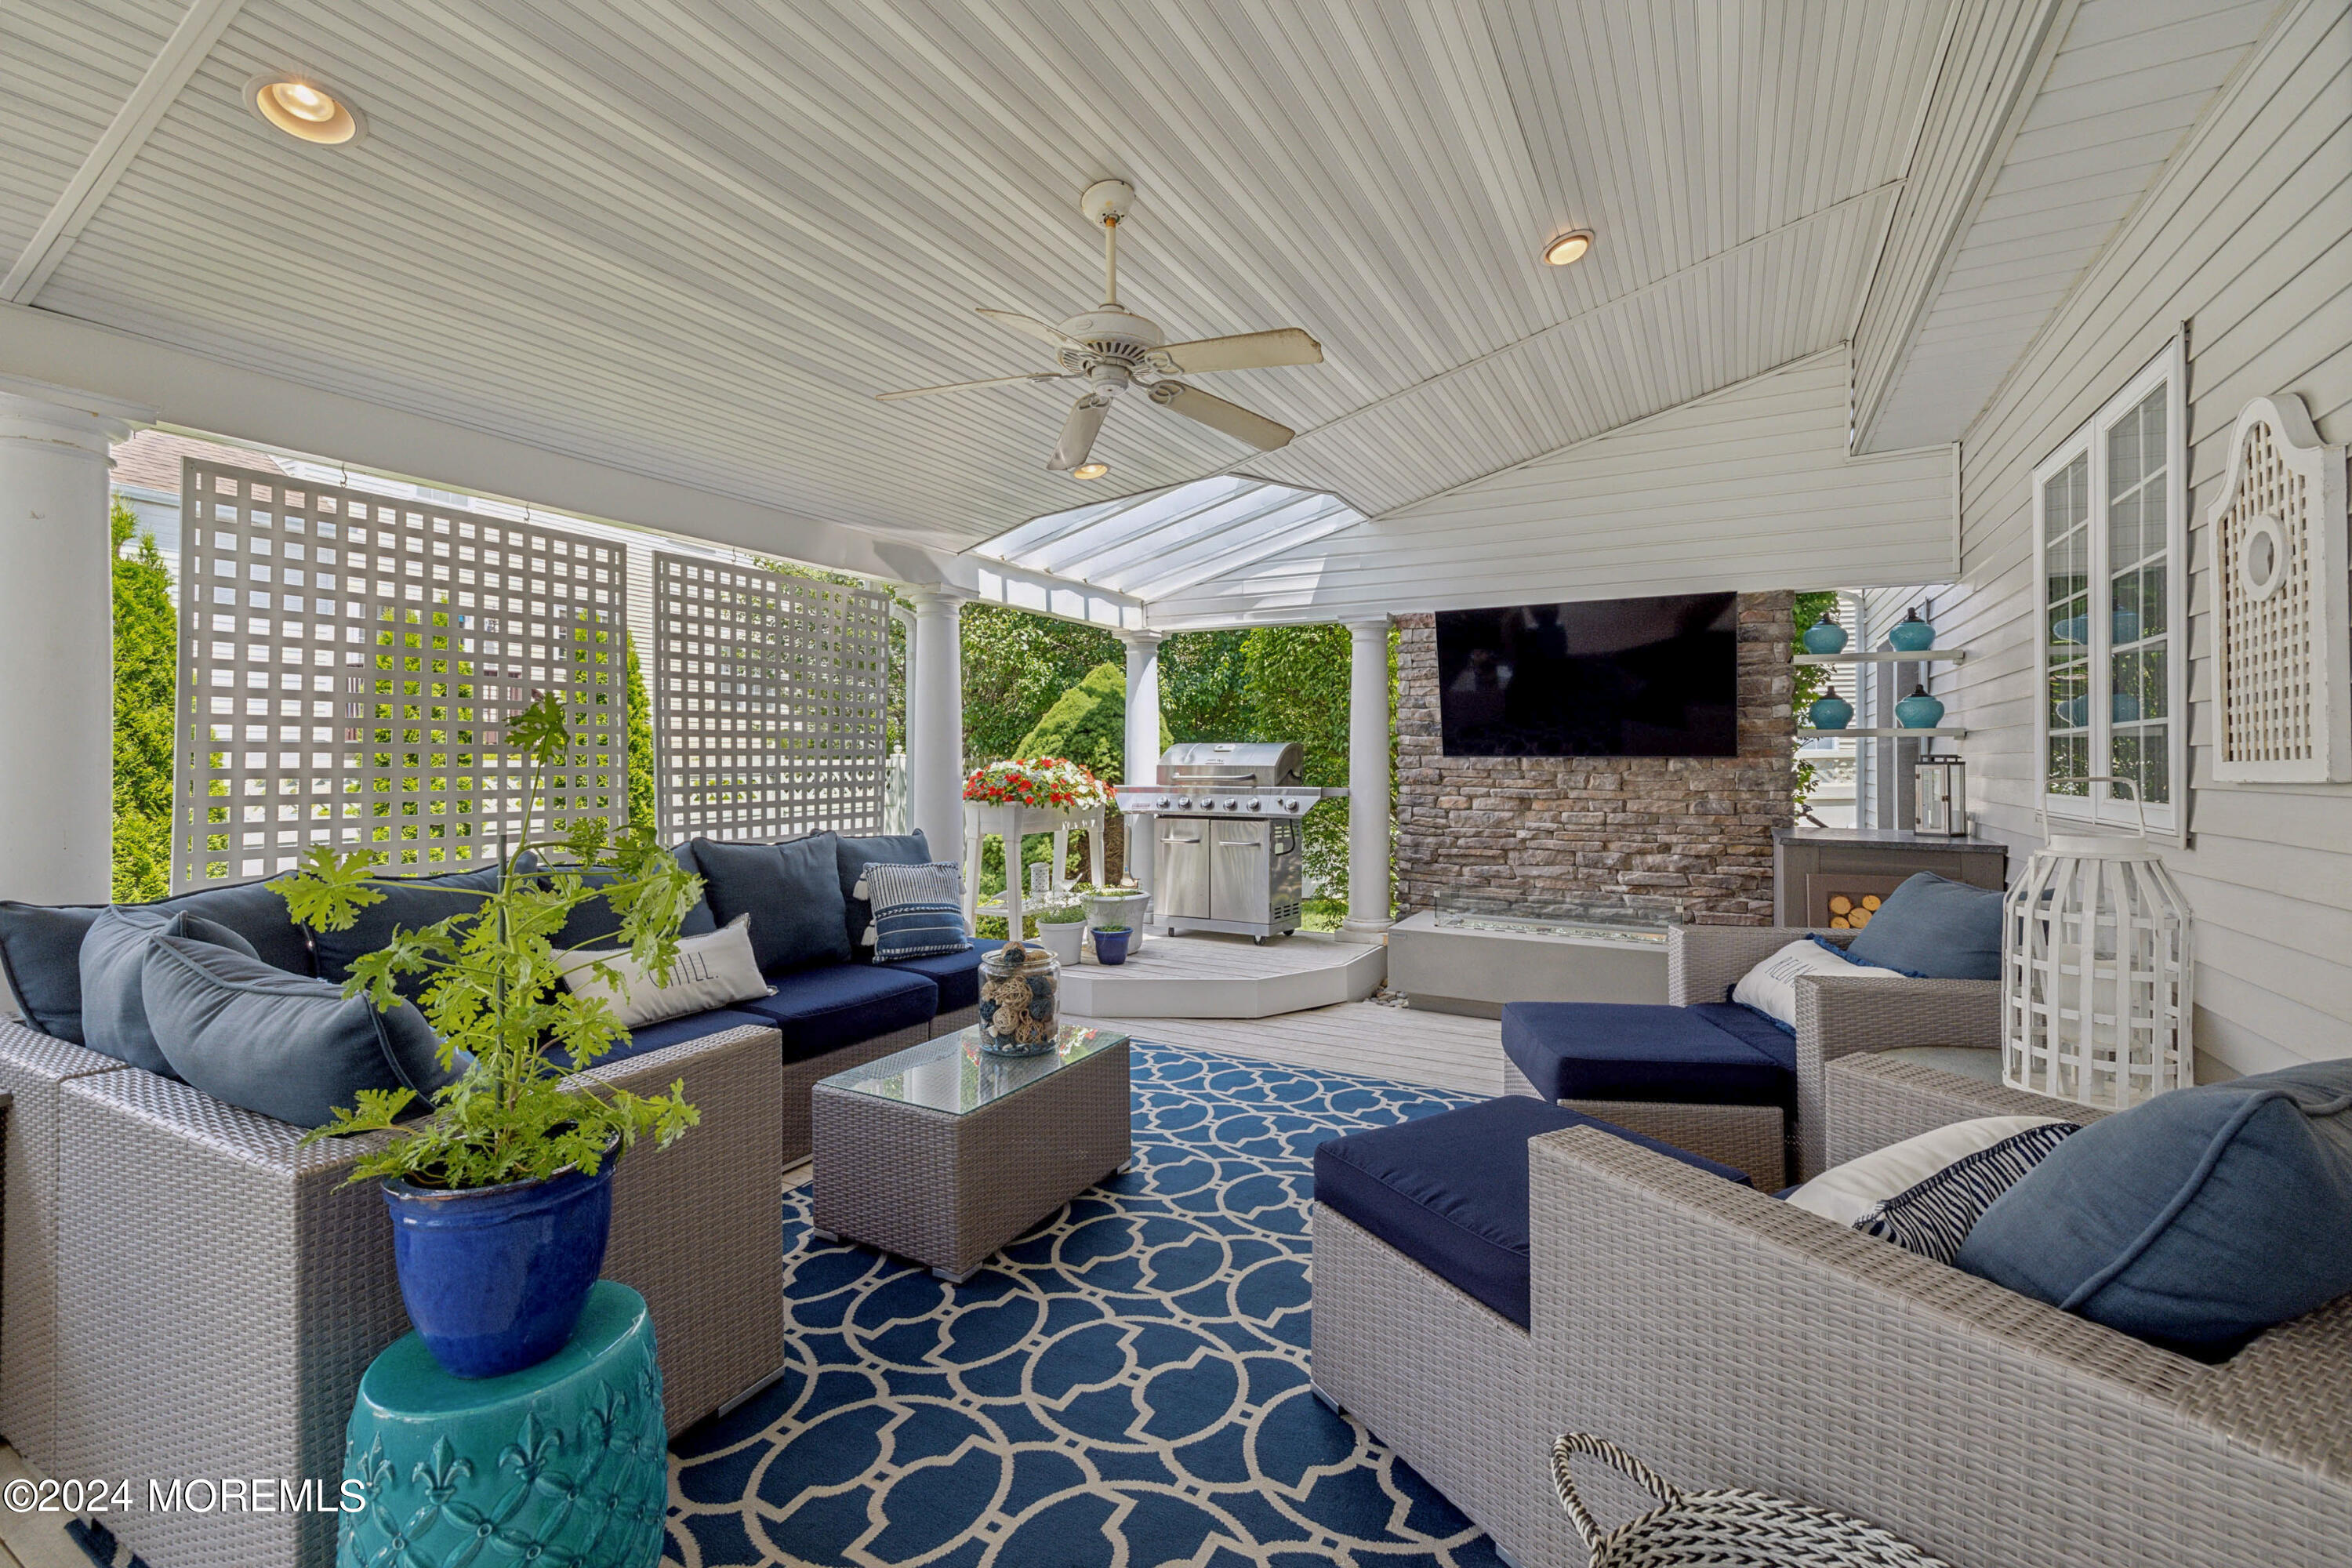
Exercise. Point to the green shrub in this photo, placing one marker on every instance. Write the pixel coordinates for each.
(1088, 724)
(146, 665)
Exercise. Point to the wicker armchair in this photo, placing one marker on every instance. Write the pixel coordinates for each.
(191, 1293)
(1837, 1015)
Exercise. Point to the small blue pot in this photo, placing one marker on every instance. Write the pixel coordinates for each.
(1912, 635)
(1824, 637)
(494, 1277)
(1831, 712)
(1110, 946)
(1919, 711)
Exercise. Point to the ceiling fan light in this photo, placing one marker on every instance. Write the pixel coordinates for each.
(1089, 471)
(1568, 247)
(303, 109)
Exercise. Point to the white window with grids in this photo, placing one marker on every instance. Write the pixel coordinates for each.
(2110, 535)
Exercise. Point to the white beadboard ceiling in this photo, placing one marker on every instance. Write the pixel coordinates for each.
(2122, 82)
(690, 239)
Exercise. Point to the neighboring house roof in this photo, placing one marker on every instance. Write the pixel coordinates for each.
(151, 460)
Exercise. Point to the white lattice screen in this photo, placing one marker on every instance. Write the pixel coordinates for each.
(770, 698)
(2282, 657)
(347, 662)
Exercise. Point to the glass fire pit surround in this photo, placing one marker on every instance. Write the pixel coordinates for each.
(1632, 917)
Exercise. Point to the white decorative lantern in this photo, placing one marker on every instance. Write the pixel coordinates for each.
(2096, 968)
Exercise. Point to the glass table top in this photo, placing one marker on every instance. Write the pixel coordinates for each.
(954, 1074)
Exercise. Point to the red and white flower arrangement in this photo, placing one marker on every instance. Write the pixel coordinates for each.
(1052, 783)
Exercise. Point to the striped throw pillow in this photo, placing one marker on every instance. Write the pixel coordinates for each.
(918, 909)
(1933, 1217)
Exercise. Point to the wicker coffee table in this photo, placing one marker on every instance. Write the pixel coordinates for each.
(942, 1154)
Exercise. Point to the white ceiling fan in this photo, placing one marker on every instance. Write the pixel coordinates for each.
(1111, 349)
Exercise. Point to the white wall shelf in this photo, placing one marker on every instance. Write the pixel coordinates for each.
(1874, 734)
(1884, 655)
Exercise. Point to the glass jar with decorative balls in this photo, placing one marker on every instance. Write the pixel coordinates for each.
(1912, 635)
(1825, 635)
(1919, 711)
(1830, 711)
(1020, 994)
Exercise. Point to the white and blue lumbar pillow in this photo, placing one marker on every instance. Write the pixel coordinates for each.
(918, 909)
(1926, 1194)
(1770, 988)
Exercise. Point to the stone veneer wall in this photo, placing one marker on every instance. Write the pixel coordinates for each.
(1520, 830)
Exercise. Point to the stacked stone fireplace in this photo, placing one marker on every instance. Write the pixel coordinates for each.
(1526, 832)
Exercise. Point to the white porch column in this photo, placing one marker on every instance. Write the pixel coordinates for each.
(1142, 763)
(1368, 780)
(935, 722)
(57, 643)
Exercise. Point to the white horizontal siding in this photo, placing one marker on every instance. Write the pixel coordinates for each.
(2247, 237)
(1748, 488)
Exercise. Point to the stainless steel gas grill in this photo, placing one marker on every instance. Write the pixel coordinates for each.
(1225, 820)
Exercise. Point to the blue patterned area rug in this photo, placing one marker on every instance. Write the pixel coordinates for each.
(1124, 1387)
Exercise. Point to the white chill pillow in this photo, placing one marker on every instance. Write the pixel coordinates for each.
(711, 969)
(1772, 986)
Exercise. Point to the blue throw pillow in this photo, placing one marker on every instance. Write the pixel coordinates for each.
(917, 910)
(791, 892)
(113, 999)
(597, 924)
(409, 903)
(2203, 1215)
(1934, 929)
(852, 855)
(41, 945)
(282, 1045)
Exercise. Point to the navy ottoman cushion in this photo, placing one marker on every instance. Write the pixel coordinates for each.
(1714, 1053)
(1450, 1191)
(956, 974)
(821, 1010)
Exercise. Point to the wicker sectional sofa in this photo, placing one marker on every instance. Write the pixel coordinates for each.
(1730, 1340)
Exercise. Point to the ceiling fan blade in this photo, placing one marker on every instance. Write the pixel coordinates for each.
(1218, 415)
(1078, 431)
(1249, 350)
(968, 385)
(1030, 326)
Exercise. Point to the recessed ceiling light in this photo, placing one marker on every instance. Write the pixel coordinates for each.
(1089, 471)
(303, 109)
(1566, 247)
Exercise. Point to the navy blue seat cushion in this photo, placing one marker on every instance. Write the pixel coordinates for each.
(956, 974)
(41, 945)
(1713, 1054)
(791, 892)
(2197, 1218)
(409, 903)
(283, 1044)
(113, 996)
(852, 855)
(673, 1032)
(821, 1010)
(1935, 928)
(1450, 1191)
(596, 924)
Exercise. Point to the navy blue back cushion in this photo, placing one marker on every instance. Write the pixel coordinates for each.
(596, 923)
(41, 945)
(853, 854)
(2199, 1217)
(1936, 928)
(1450, 1191)
(791, 892)
(113, 996)
(409, 903)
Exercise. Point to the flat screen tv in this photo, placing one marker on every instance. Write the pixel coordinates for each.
(1605, 678)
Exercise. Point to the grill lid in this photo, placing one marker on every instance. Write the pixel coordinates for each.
(1266, 763)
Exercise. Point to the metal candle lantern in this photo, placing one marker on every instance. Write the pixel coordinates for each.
(2097, 970)
(1941, 791)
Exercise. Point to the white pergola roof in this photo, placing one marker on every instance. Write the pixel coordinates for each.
(1152, 546)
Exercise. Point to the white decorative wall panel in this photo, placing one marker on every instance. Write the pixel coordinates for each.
(770, 702)
(2282, 653)
(348, 663)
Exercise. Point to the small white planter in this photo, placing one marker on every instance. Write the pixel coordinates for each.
(1063, 941)
(1125, 908)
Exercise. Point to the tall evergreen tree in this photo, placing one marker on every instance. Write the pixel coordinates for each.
(146, 666)
(640, 739)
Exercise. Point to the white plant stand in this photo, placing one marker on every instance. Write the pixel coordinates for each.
(1013, 823)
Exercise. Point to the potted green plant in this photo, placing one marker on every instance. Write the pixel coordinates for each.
(501, 1198)
(1110, 943)
(1063, 929)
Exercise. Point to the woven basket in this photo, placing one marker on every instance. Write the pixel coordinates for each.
(1721, 1529)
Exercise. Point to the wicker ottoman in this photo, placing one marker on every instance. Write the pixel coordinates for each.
(942, 1154)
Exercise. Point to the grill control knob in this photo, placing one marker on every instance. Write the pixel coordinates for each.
(1257, 806)
(1233, 806)
(1161, 803)
(1284, 804)
(1183, 803)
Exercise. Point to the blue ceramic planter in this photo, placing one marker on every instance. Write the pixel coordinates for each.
(1831, 712)
(494, 1277)
(1912, 635)
(1919, 711)
(1110, 946)
(1824, 637)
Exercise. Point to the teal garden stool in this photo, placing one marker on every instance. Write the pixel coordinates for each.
(565, 1464)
